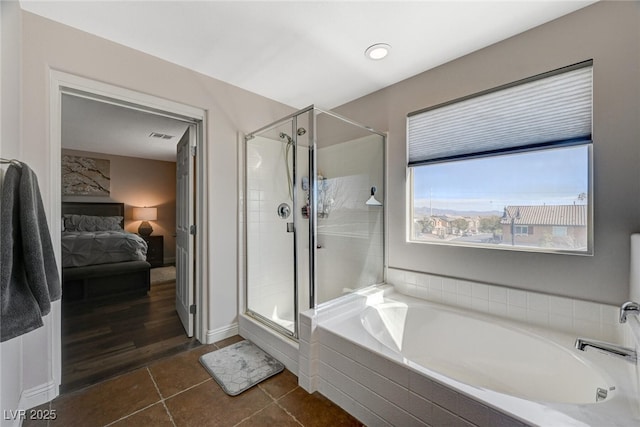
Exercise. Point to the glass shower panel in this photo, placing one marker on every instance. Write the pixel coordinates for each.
(270, 211)
(350, 238)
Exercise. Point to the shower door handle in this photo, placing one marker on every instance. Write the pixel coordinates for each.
(290, 228)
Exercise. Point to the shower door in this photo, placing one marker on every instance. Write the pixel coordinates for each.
(271, 205)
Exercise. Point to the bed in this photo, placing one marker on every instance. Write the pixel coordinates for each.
(99, 259)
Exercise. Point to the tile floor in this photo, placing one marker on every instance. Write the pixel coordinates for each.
(177, 392)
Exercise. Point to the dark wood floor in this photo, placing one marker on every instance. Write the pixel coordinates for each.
(108, 338)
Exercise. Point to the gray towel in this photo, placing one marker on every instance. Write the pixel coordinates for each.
(29, 278)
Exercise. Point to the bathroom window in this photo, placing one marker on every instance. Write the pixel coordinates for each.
(509, 168)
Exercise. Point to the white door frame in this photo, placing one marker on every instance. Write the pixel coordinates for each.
(60, 83)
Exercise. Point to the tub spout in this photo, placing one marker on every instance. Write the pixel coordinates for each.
(627, 308)
(626, 353)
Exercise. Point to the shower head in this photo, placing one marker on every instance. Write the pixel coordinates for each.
(287, 137)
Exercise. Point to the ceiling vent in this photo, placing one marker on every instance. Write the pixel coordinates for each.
(160, 135)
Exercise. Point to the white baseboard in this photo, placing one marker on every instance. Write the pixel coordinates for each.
(38, 395)
(31, 398)
(215, 335)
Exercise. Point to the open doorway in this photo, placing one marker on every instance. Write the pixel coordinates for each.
(122, 311)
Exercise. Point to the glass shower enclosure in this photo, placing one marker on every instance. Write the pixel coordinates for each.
(314, 214)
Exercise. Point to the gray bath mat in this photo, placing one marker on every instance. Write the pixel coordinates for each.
(240, 366)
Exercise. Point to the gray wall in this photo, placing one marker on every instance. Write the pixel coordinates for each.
(230, 110)
(608, 32)
(11, 352)
(45, 45)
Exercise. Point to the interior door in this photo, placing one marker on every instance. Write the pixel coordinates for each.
(185, 229)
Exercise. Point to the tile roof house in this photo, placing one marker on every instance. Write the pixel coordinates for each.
(559, 226)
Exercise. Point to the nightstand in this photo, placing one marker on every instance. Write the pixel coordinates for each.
(155, 250)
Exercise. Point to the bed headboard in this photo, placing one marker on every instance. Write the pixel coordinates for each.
(94, 209)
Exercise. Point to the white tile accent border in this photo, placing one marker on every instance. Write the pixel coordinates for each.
(581, 318)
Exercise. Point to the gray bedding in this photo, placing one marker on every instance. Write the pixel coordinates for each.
(81, 248)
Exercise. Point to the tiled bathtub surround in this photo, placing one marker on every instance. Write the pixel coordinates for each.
(582, 318)
(382, 387)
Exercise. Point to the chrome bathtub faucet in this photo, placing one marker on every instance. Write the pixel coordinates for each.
(627, 354)
(627, 308)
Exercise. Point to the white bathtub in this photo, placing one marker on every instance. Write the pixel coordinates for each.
(396, 360)
(485, 354)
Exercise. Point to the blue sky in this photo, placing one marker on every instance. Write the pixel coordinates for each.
(552, 177)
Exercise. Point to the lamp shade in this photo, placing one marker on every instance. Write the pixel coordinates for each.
(145, 214)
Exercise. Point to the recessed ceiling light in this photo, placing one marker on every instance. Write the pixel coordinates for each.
(377, 51)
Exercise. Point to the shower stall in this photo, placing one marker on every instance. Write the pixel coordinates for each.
(313, 214)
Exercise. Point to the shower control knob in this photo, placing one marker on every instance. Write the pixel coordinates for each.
(284, 210)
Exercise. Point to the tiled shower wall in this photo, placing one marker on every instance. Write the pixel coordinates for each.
(269, 252)
(350, 245)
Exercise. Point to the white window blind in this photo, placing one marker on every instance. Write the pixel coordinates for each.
(550, 109)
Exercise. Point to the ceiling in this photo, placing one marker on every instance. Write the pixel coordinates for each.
(100, 127)
(305, 52)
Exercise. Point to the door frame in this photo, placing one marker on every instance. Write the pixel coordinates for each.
(66, 83)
